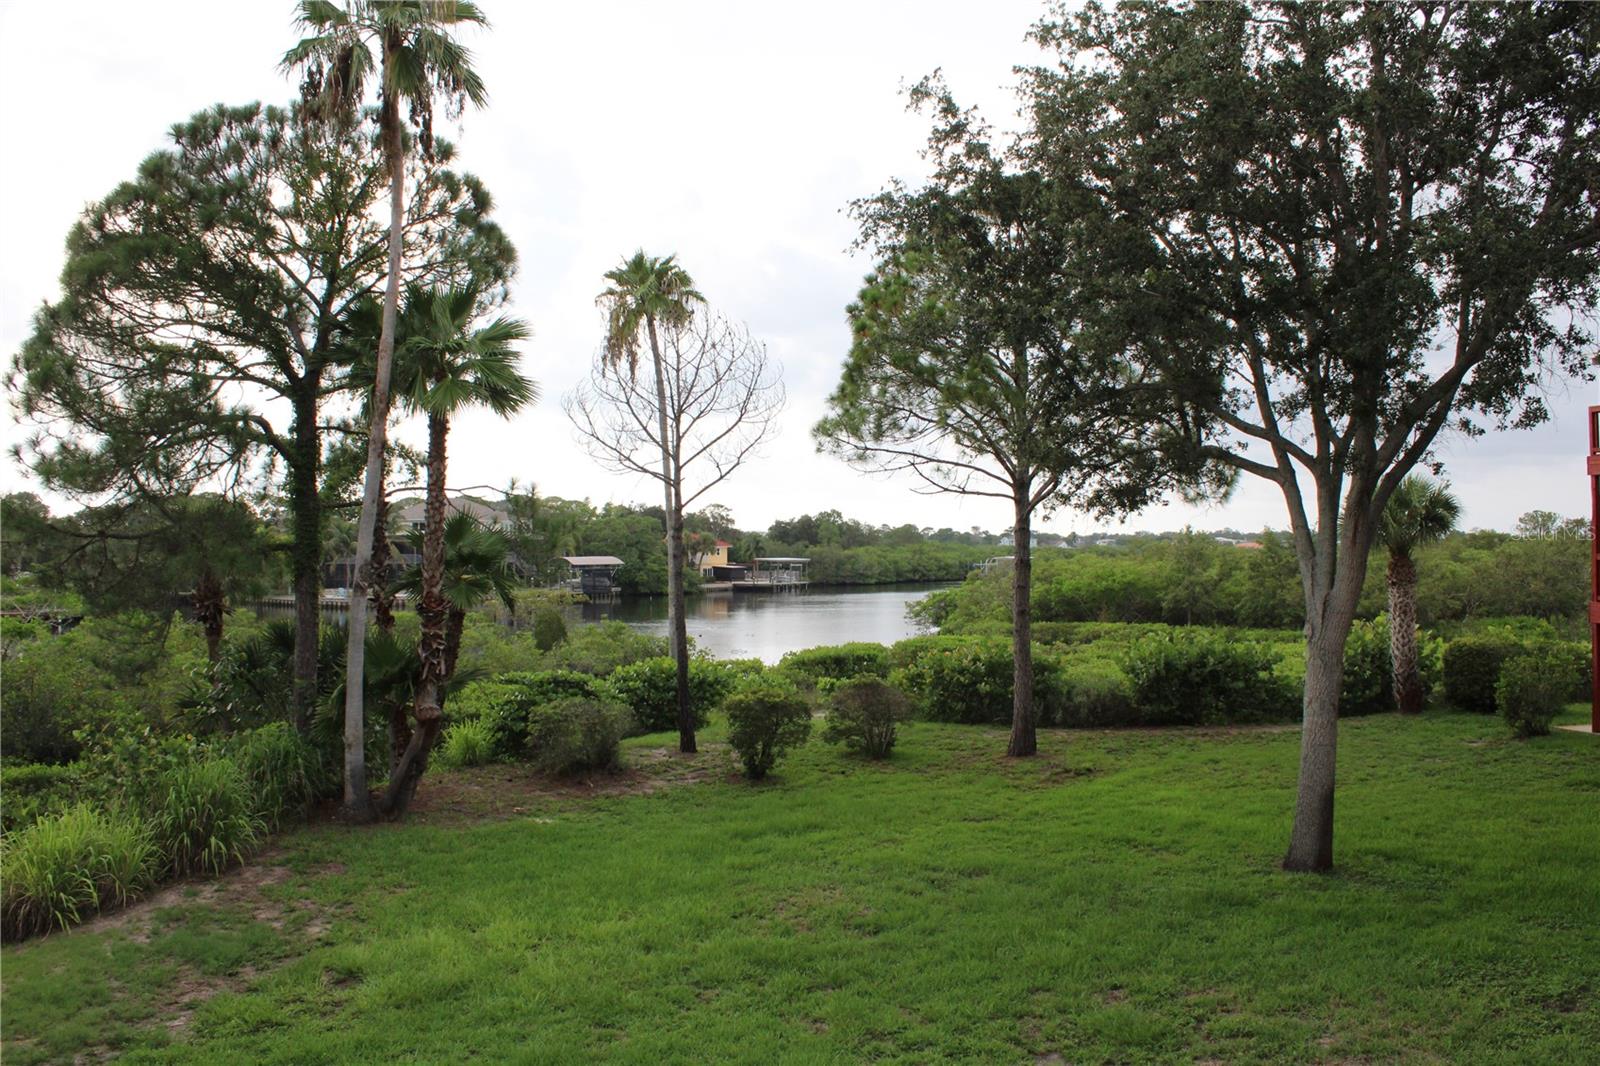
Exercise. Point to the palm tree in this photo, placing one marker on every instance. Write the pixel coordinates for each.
(1420, 512)
(416, 58)
(443, 366)
(477, 566)
(653, 294)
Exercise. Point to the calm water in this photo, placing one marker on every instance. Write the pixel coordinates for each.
(766, 625)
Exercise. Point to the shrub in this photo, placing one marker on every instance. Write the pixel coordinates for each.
(203, 817)
(468, 743)
(1367, 686)
(1531, 689)
(969, 680)
(650, 689)
(838, 661)
(964, 681)
(30, 791)
(863, 713)
(601, 649)
(65, 867)
(549, 628)
(285, 774)
(1202, 678)
(765, 719)
(1091, 691)
(577, 733)
(1472, 668)
(502, 704)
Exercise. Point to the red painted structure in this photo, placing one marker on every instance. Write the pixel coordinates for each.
(1594, 565)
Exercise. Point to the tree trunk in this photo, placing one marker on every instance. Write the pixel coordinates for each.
(431, 607)
(382, 564)
(1403, 634)
(431, 646)
(1024, 738)
(357, 802)
(209, 608)
(1333, 593)
(677, 625)
(305, 507)
(680, 632)
(452, 645)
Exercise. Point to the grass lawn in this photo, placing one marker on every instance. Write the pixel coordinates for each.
(1115, 900)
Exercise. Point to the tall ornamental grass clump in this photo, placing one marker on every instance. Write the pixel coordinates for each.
(65, 867)
(468, 743)
(284, 773)
(203, 817)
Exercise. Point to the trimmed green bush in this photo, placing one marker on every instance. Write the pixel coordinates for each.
(504, 703)
(965, 681)
(650, 689)
(1368, 683)
(1201, 678)
(577, 733)
(549, 628)
(863, 713)
(838, 661)
(1531, 688)
(204, 818)
(284, 773)
(65, 867)
(468, 743)
(1090, 691)
(765, 719)
(30, 791)
(1472, 669)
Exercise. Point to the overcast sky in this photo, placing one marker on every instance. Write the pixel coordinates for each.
(733, 134)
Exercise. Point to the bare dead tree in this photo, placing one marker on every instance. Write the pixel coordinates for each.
(722, 396)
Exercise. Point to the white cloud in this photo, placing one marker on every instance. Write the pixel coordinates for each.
(731, 133)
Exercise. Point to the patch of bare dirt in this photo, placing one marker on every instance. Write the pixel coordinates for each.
(506, 791)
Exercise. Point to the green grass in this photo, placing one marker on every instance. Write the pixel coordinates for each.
(1116, 900)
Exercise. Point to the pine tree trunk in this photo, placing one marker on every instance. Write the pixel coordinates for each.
(1024, 738)
(1403, 634)
(357, 801)
(305, 509)
(677, 624)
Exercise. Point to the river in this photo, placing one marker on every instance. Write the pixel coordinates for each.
(767, 625)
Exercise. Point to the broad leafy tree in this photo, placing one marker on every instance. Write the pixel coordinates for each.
(976, 366)
(406, 47)
(1346, 228)
(197, 339)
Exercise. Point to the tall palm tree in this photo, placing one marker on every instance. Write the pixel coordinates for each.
(1420, 512)
(408, 46)
(652, 294)
(477, 566)
(443, 366)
